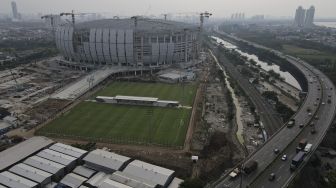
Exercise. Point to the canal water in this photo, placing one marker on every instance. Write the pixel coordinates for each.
(265, 66)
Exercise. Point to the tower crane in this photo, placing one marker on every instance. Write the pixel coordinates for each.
(72, 14)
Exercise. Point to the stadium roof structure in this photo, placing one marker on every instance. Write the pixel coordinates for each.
(106, 159)
(29, 172)
(22, 150)
(149, 172)
(143, 24)
(12, 180)
(45, 164)
(68, 150)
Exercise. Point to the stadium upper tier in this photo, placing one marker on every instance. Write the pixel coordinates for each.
(122, 42)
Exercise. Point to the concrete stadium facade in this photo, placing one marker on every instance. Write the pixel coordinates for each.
(121, 42)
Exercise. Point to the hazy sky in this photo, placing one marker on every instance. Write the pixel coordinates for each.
(220, 8)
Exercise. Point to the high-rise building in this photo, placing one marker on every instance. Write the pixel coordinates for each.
(300, 17)
(14, 10)
(309, 20)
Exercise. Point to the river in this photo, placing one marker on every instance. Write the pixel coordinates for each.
(265, 66)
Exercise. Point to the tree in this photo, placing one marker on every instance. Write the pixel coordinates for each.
(192, 183)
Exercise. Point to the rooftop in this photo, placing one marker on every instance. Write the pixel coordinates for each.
(22, 150)
(68, 150)
(143, 24)
(12, 180)
(45, 164)
(56, 157)
(73, 180)
(29, 172)
(106, 159)
(107, 183)
(84, 171)
(149, 172)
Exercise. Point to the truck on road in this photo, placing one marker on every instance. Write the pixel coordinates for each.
(296, 161)
(308, 148)
(250, 166)
(302, 144)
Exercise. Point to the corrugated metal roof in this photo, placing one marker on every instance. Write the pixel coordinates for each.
(97, 179)
(112, 184)
(132, 181)
(135, 98)
(106, 159)
(31, 173)
(12, 180)
(73, 180)
(51, 185)
(56, 156)
(84, 171)
(22, 150)
(68, 150)
(148, 171)
(44, 164)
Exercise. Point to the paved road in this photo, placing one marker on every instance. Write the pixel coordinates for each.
(286, 139)
(271, 120)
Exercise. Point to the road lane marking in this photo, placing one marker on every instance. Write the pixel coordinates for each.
(279, 178)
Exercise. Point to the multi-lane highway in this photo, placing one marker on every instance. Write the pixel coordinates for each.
(320, 90)
(266, 112)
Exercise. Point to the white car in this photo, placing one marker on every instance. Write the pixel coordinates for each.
(284, 157)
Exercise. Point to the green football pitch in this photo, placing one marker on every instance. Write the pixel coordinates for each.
(182, 93)
(127, 124)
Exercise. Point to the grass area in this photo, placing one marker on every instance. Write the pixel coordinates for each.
(160, 90)
(99, 122)
(122, 124)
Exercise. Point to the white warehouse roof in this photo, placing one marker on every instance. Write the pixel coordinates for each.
(149, 172)
(135, 98)
(29, 172)
(45, 164)
(132, 181)
(11, 180)
(22, 150)
(68, 150)
(107, 183)
(56, 157)
(84, 171)
(97, 179)
(106, 159)
(73, 180)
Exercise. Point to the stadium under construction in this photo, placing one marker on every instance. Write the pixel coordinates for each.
(133, 42)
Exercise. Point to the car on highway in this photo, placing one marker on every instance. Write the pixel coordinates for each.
(271, 177)
(284, 158)
(312, 124)
(310, 114)
(276, 151)
(313, 131)
(301, 125)
(316, 117)
(323, 103)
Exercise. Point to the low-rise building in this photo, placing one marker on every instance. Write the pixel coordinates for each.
(56, 169)
(12, 180)
(39, 176)
(105, 161)
(68, 150)
(66, 160)
(84, 171)
(73, 180)
(149, 172)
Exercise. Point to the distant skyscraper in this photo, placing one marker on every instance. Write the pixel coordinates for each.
(16, 15)
(299, 17)
(309, 20)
